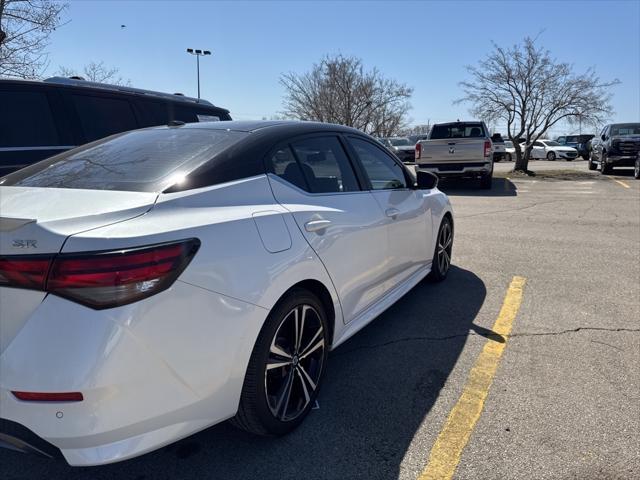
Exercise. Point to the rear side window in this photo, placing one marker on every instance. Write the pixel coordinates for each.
(140, 161)
(383, 172)
(458, 130)
(103, 116)
(284, 164)
(26, 120)
(324, 165)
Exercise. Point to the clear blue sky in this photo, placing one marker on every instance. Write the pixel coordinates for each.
(423, 44)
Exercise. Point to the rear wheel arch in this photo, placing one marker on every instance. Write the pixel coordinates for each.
(318, 289)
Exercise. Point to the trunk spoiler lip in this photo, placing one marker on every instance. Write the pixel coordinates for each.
(8, 224)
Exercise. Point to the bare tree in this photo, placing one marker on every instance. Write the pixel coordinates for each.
(420, 129)
(339, 90)
(527, 89)
(96, 72)
(25, 26)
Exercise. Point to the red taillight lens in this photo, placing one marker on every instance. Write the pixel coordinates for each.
(487, 148)
(108, 279)
(49, 397)
(418, 151)
(24, 272)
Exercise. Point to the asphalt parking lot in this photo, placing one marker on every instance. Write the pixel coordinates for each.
(564, 401)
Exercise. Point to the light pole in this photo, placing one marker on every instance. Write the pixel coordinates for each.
(198, 53)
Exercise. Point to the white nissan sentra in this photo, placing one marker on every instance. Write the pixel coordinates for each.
(160, 281)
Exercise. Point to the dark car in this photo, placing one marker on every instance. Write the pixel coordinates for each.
(617, 146)
(416, 138)
(43, 118)
(582, 143)
(403, 148)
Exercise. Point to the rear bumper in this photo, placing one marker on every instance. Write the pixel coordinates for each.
(472, 169)
(150, 373)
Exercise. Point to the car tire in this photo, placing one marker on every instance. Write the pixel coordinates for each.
(508, 156)
(285, 370)
(486, 181)
(585, 157)
(441, 261)
(591, 165)
(636, 169)
(551, 156)
(605, 169)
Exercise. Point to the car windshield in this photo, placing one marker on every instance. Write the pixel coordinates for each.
(458, 130)
(400, 142)
(625, 129)
(508, 143)
(140, 161)
(552, 144)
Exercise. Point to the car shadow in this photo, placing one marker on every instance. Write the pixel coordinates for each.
(501, 187)
(378, 389)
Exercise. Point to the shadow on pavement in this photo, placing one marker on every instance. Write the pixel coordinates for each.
(379, 387)
(461, 187)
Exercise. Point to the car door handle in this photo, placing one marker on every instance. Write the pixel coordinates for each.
(392, 212)
(316, 225)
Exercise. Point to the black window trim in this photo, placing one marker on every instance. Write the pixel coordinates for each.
(409, 180)
(329, 133)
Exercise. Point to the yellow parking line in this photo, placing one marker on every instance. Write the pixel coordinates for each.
(621, 183)
(446, 451)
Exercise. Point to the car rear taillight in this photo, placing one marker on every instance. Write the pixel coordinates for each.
(418, 151)
(24, 271)
(108, 279)
(487, 148)
(102, 279)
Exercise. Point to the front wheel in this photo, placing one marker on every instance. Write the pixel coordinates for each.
(551, 156)
(508, 157)
(442, 255)
(636, 169)
(286, 366)
(592, 165)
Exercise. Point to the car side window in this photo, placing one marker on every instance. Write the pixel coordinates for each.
(383, 172)
(284, 164)
(26, 120)
(103, 116)
(324, 165)
(538, 144)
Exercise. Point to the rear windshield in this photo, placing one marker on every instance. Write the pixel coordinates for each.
(457, 130)
(400, 142)
(139, 161)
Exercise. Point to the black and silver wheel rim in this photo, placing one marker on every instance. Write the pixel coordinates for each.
(445, 241)
(295, 363)
(636, 169)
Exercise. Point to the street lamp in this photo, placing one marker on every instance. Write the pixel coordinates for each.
(198, 53)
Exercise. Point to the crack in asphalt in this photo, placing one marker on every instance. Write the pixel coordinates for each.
(491, 335)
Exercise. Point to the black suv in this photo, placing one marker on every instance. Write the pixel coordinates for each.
(39, 119)
(618, 146)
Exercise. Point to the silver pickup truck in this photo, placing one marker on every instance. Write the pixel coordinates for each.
(458, 149)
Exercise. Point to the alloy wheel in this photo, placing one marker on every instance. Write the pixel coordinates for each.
(295, 363)
(445, 242)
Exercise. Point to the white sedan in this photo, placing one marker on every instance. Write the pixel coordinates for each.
(551, 151)
(163, 280)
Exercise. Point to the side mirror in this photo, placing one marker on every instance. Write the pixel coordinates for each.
(426, 180)
(603, 137)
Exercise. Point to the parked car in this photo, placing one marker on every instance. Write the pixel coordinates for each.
(403, 148)
(43, 118)
(509, 150)
(416, 138)
(499, 151)
(582, 143)
(162, 280)
(551, 151)
(458, 149)
(617, 146)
